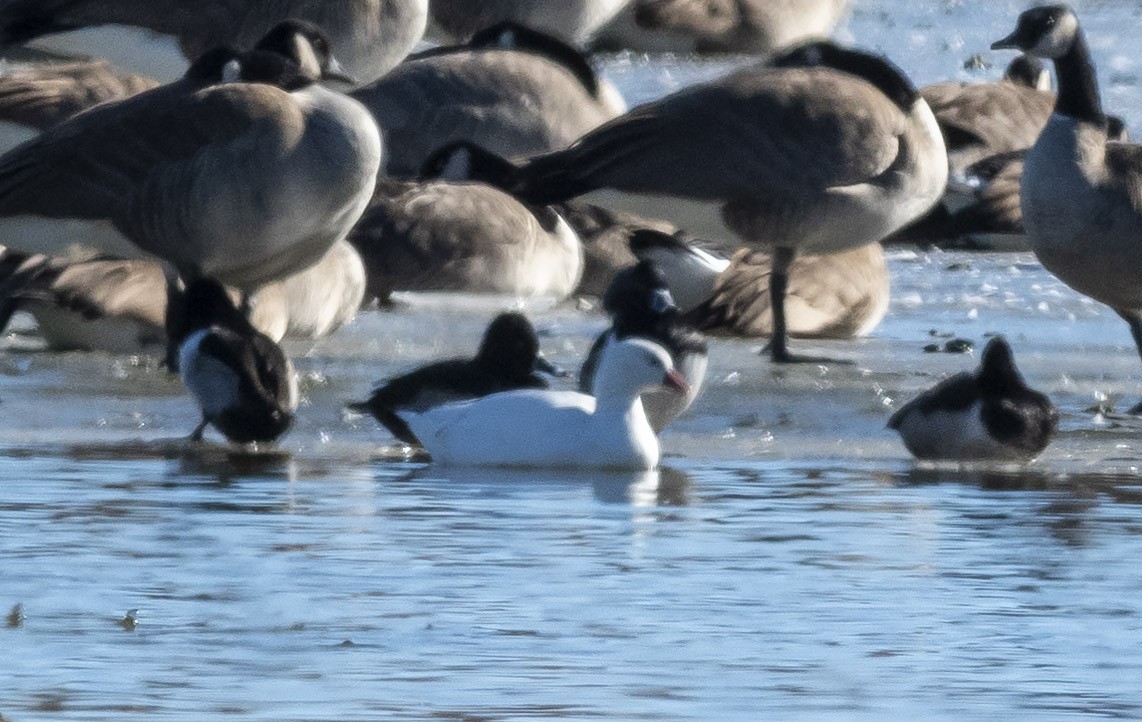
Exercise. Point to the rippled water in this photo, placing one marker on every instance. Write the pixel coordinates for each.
(788, 562)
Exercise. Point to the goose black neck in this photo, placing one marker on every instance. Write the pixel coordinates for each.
(1078, 84)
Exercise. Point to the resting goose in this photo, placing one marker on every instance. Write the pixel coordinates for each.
(987, 415)
(508, 358)
(825, 150)
(721, 26)
(247, 182)
(838, 295)
(1081, 195)
(557, 429)
(572, 21)
(244, 384)
(512, 90)
(369, 36)
(439, 235)
(640, 306)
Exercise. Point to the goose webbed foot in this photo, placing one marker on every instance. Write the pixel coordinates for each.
(779, 354)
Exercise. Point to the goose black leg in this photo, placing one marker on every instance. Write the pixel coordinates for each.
(778, 283)
(1135, 321)
(199, 430)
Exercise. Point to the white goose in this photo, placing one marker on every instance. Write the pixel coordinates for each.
(1081, 195)
(562, 429)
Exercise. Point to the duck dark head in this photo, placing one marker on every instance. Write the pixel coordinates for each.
(877, 70)
(1044, 32)
(997, 372)
(638, 291)
(510, 346)
(1028, 71)
(294, 54)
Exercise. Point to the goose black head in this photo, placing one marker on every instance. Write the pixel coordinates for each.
(217, 65)
(1028, 71)
(294, 54)
(875, 69)
(1044, 32)
(510, 346)
(462, 161)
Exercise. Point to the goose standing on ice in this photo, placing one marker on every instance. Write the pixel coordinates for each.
(987, 415)
(246, 182)
(370, 36)
(823, 150)
(1081, 195)
(244, 384)
(558, 429)
(508, 358)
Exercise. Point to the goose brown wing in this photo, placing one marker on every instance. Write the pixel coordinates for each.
(42, 95)
(787, 131)
(107, 162)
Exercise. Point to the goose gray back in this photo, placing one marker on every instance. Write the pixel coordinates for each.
(369, 36)
(722, 26)
(1081, 194)
(514, 92)
(823, 150)
(247, 181)
(570, 20)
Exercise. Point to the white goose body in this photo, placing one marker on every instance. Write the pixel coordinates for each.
(556, 429)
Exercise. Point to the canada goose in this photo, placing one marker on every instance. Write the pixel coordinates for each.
(824, 150)
(983, 119)
(436, 235)
(120, 305)
(1081, 195)
(244, 384)
(546, 428)
(838, 295)
(515, 91)
(987, 415)
(369, 36)
(572, 21)
(246, 182)
(508, 358)
(37, 96)
(640, 306)
(721, 26)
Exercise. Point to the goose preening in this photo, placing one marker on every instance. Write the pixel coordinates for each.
(823, 150)
(1081, 194)
(640, 306)
(563, 429)
(36, 96)
(436, 235)
(243, 382)
(987, 415)
(572, 21)
(246, 182)
(508, 358)
(512, 90)
(720, 26)
(837, 295)
(369, 36)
